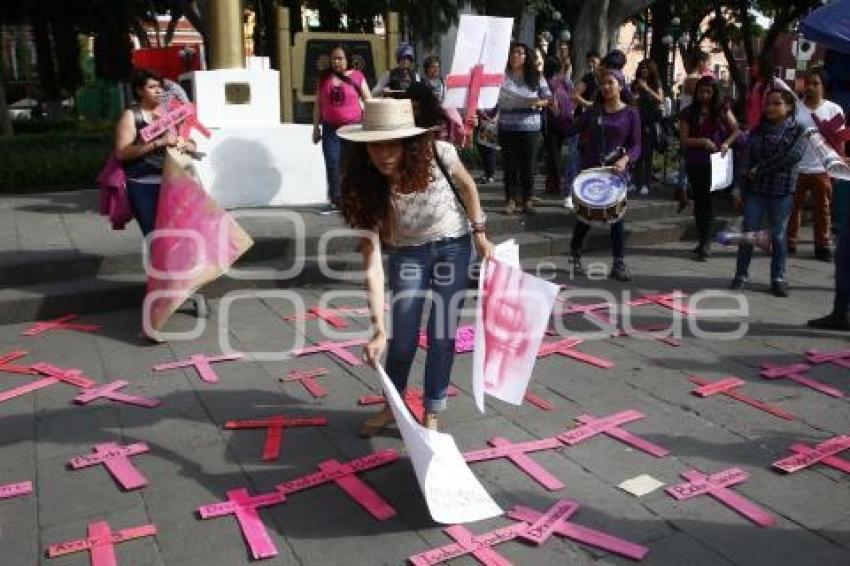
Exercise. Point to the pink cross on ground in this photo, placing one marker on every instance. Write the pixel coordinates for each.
(61, 323)
(566, 348)
(73, 377)
(7, 366)
(467, 543)
(117, 461)
(111, 391)
(202, 364)
(413, 398)
(15, 489)
(549, 522)
(100, 542)
(728, 386)
(539, 402)
(274, 430)
(338, 349)
(610, 425)
(716, 485)
(823, 453)
(794, 373)
(464, 339)
(474, 81)
(308, 380)
(840, 357)
(671, 300)
(589, 309)
(651, 331)
(332, 316)
(345, 476)
(516, 453)
(244, 507)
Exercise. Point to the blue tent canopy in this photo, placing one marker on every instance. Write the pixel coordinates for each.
(829, 26)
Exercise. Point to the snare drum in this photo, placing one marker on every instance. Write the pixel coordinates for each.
(599, 195)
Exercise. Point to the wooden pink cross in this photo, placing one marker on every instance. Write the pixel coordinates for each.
(53, 375)
(840, 358)
(474, 82)
(556, 521)
(610, 425)
(100, 542)
(244, 507)
(413, 398)
(823, 453)
(345, 476)
(274, 430)
(308, 380)
(61, 323)
(479, 546)
(15, 489)
(202, 364)
(794, 373)
(589, 309)
(539, 402)
(464, 339)
(566, 348)
(651, 331)
(111, 391)
(333, 316)
(717, 486)
(671, 300)
(728, 386)
(338, 349)
(117, 461)
(517, 454)
(7, 366)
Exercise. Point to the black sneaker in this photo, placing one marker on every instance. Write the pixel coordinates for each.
(823, 254)
(832, 321)
(738, 284)
(620, 272)
(779, 288)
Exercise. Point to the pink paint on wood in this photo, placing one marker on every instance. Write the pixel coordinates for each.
(330, 316)
(838, 357)
(653, 332)
(111, 391)
(274, 430)
(244, 507)
(474, 82)
(554, 518)
(71, 376)
(359, 491)
(794, 373)
(814, 455)
(202, 364)
(61, 323)
(516, 453)
(308, 380)
(566, 348)
(15, 489)
(467, 543)
(610, 425)
(413, 398)
(584, 535)
(7, 366)
(731, 392)
(715, 387)
(337, 349)
(832, 461)
(117, 461)
(670, 301)
(100, 542)
(538, 401)
(716, 485)
(591, 309)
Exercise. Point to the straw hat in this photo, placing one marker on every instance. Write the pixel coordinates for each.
(383, 119)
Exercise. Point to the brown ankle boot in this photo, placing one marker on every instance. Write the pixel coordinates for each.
(376, 423)
(431, 421)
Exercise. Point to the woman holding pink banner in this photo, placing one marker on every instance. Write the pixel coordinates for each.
(414, 196)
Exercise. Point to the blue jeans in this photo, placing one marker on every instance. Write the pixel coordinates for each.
(777, 210)
(571, 166)
(443, 267)
(332, 150)
(143, 198)
(842, 272)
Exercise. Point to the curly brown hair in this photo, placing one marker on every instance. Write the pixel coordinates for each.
(365, 201)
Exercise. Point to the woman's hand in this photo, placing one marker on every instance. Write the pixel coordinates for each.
(621, 164)
(374, 349)
(483, 246)
(317, 133)
(724, 147)
(709, 145)
(170, 139)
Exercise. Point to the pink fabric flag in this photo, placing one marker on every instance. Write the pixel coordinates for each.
(198, 242)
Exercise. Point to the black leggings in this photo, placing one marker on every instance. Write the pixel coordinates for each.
(699, 178)
(519, 159)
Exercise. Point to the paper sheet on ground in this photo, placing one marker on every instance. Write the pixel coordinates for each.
(721, 170)
(453, 493)
(641, 485)
(485, 40)
(510, 320)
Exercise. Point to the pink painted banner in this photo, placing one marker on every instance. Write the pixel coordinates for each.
(716, 485)
(308, 380)
(671, 300)
(7, 366)
(117, 461)
(15, 489)
(479, 546)
(727, 386)
(274, 430)
(337, 349)
(566, 348)
(180, 264)
(610, 425)
(516, 453)
(794, 373)
(464, 339)
(100, 542)
(584, 535)
(61, 323)
(838, 357)
(814, 455)
(202, 364)
(413, 398)
(345, 476)
(553, 519)
(240, 504)
(111, 392)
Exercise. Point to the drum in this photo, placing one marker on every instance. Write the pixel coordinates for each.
(599, 195)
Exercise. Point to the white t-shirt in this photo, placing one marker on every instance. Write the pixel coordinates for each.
(434, 213)
(810, 164)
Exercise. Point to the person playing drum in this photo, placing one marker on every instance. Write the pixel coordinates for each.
(609, 135)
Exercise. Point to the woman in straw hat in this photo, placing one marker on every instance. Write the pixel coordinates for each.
(414, 196)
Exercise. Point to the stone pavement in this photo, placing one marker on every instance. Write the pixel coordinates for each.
(194, 461)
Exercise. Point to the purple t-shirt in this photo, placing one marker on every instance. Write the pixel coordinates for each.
(600, 133)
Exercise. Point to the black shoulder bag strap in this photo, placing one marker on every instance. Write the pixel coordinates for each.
(448, 176)
(347, 80)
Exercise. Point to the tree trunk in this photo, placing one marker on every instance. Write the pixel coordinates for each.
(659, 52)
(737, 76)
(5, 119)
(596, 25)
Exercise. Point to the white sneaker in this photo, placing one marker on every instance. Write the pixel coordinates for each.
(568, 202)
(644, 190)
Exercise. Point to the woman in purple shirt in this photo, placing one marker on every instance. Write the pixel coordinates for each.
(610, 127)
